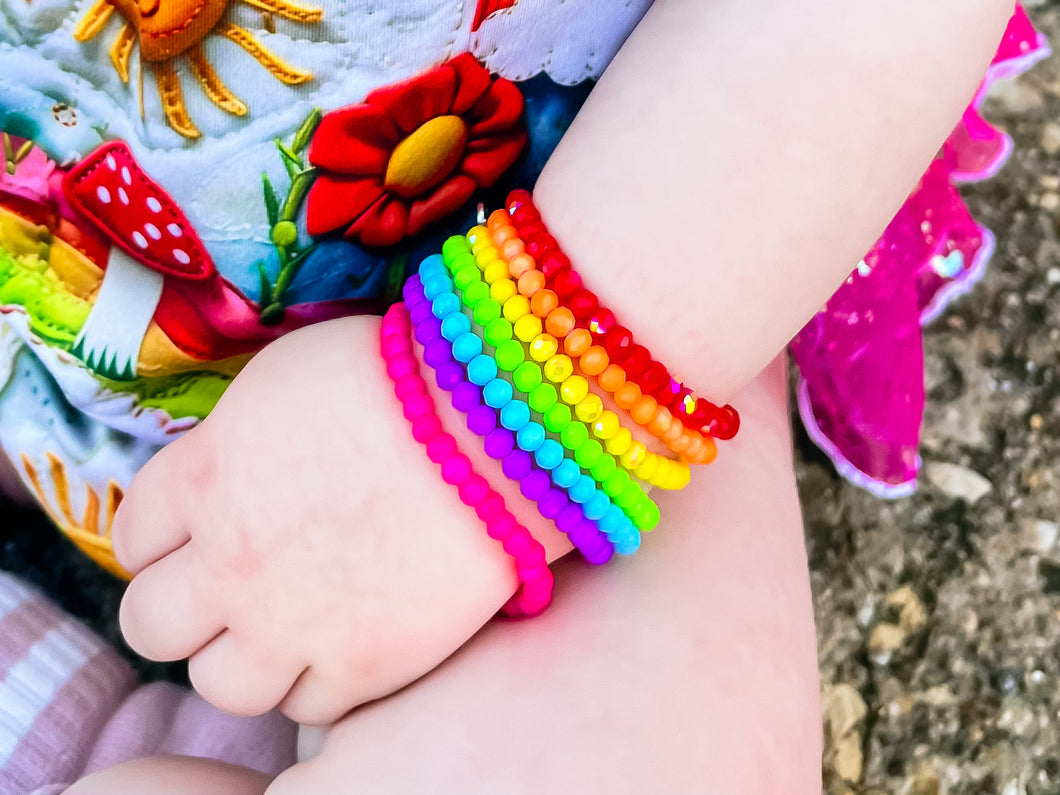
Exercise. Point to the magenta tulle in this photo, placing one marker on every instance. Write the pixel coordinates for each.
(861, 362)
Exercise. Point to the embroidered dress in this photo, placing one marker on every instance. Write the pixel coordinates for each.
(186, 180)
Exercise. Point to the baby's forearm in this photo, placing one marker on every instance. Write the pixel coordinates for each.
(651, 191)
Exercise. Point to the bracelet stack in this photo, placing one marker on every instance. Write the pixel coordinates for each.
(518, 343)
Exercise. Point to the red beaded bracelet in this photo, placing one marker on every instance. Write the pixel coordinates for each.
(535, 577)
(697, 413)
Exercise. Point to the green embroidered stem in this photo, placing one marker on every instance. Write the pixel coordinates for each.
(283, 229)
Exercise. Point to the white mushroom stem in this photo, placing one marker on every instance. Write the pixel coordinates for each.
(110, 340)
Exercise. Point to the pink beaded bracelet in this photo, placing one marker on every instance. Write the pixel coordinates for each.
(535, 577)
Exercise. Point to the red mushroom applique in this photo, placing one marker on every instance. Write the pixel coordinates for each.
(153, 243)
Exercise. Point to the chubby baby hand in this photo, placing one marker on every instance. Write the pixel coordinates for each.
(299, 546)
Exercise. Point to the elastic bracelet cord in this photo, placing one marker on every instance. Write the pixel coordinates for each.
(529, 379)
(651, 376)
(535, 577)
(518, 318)
(595, 526)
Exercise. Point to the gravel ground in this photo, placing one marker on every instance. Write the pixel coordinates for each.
(938, 615)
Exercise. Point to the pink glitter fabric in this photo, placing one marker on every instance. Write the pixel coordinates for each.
(861, 391)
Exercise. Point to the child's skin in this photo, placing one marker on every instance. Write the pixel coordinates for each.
(732, 165)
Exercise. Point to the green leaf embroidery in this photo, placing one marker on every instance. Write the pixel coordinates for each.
(272, 204)
(305, 132)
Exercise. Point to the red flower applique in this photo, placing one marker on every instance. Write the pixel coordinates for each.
(413, 152)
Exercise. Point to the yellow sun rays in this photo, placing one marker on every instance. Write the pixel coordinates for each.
(167, 81)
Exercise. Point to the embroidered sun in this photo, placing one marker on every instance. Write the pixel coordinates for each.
(167, 29)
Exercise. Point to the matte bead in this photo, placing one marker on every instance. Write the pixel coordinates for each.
(456, 470)
(574, 389)
(593, 361)
(476, 293)
(526, 376)
(543, 347)
(481, 420)
(486, 255)
(499, 442)
(634, 456)
(465, 276)
(535, 485)
(420, 313)
(462, 260)
(589, 408)
(457, 244)
(497, 331)
(560, 322)
(528, 327)
(617, 483)
(479, 237)
(597, 506)
(512, 248)
(604, 468)
(437, 352)
(434, 286)
(644, 410)
(490, 507)
(660, 422)
(516, 545)
(577, 342)
(627, 395)
(557, 417)
(497, 393)
(543, 302)
(466, 347)
(566, 474)
(425, 428)
(558, 368)
(549, 455)
(648, 467)
(454, 325)
(497, 219)
(532, 281)
(515, 415)
(503, 289)
(583, 490)
(466, 396)
(486, 311)
(589, 453)
(400, 365)
(441, 447)
(569, 518)
(574, 436)
(530, 436)
(394, 344)
(542, 398)
(552, 503)
(516, 465)
(516, 307)
(520, 264)
(474, 490)
(408, 385)
(501, 527)
(482, 369)
(509, 355)
(445, 304)
(606, 425)
(612, 378)
(620, 442)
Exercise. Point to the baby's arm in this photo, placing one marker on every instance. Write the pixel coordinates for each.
(756, 179)
(172, 775)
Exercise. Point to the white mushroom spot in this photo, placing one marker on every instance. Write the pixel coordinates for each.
(154, 205)
(175, 230)
(181, 256)
(126, 176)
(103, 194)
(112, 164)
(152, 230)
(141, 241)
(123, 196)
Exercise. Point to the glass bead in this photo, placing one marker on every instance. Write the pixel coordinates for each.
(466, 347)
(543, 397)
(655, 378)
(627, 395)
(497, 331)
(566, 283)
(612, 378)
(558, 368)
(589, 408)
(520, 197)
(497, 393)
(593, 361)
(604, 468)
(494, 271)
(557, 417)
(634, 456)
(620, 442)
(618, 342)
(538, 244)
(530, 282)
(636, 361)
(601, 322)
(526, 376)
(530, 437)
(509, 355)
(503, 289)
(486, 310)
(475, 293)
(577, 342)
(589, 453)
(553, 263)
(574, 436)
(574, 389)
(457, 244)
(524, 214)
(454, 325)
(549, 455)
(516, 307)
(566, 473)
(482, 369)
(560, 322)
(606, 425)
(543, 347)
(528, 327)
(643, 410)
(446, 304)
(467, 274)
(543, 302)
(515, 415)
(583, 303)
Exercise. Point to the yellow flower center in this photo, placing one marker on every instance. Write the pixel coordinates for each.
(427, 156)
